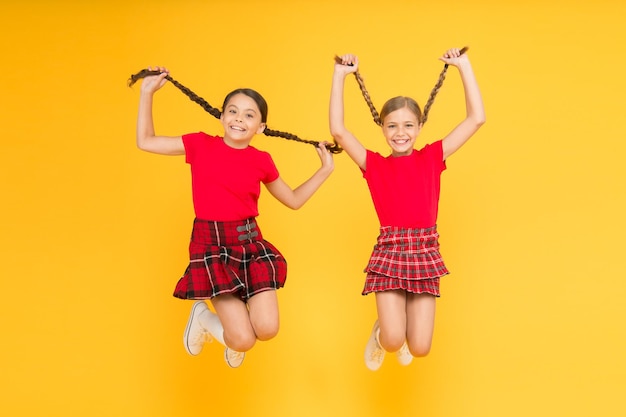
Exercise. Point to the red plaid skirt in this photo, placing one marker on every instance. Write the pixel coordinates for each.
(406, 259)
(230, 258)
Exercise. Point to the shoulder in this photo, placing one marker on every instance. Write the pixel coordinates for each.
(432, 147)
(372, 156)
(200, 136)
(431, 150)
(200, 139)
(258, 153)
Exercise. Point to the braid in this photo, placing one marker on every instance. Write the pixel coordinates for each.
(289, 136)
(366, 95)
(435, 90)
(335, 148)
(192, 96)
(429, 103)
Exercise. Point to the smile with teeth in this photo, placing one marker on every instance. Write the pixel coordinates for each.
(237, 128)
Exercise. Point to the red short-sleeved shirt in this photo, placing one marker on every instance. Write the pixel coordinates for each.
(405, 190)
(226, 182)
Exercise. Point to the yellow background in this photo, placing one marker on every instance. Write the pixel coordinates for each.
(94, 232)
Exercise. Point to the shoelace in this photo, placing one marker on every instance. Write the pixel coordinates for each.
(404, 355)
(202, 337)
(234, 357)
(404, 351)
(377, 355)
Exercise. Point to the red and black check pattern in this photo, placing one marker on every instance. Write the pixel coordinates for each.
(407, 259)
(224, 259)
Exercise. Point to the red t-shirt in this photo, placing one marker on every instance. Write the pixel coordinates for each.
(226, 182)
(405, 189)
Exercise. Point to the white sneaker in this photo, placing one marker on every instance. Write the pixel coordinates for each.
(404, 355)
(233, 358)
(374, 353)
(195, 335)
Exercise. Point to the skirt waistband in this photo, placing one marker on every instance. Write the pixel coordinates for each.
(228, 233)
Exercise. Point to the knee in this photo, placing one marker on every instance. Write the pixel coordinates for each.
(240, 341)
(266, 330)
(419, 349)
(391, 342)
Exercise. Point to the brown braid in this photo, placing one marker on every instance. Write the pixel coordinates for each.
(436, 88)
(366, 95)
(334, 148)
(428, 105)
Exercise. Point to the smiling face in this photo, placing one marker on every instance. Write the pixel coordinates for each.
(242, 120)
(400, 128)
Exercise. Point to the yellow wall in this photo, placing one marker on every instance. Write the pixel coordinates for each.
(94, 232)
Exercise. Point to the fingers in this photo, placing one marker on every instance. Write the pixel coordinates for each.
(152, 83)
(452, 53)
(346, 64)
(348, 59)
(323, 151)
(454, 56)
(159, 69)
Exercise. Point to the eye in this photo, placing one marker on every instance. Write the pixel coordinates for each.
(231, 111)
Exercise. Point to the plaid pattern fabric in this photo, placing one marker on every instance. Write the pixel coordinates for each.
(230, 257)
(375, 283)
(405, 258)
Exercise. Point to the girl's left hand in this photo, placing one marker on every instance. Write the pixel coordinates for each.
(453, 56)
(325, 156)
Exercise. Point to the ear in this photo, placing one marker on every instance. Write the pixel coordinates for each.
(261, 128)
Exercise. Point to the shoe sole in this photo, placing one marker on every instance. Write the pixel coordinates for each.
(186, 335)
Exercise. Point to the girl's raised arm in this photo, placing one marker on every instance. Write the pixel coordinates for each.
(349, 64)
(475, 111)
(147, 140)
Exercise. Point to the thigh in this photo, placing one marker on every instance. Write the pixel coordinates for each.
(264, 315)
(420, 322)
(235, 318)
(391, 307)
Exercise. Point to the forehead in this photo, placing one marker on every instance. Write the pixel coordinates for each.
(242, 101)
(403, 114)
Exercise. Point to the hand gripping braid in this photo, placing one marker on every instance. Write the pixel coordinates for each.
(334, 148)
(428, 105)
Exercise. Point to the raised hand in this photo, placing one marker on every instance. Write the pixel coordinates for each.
(152, 83)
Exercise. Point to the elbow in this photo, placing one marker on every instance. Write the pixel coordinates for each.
(337, 134)
(480, 120)
(294, 205)
(142, 146)
(143, 143)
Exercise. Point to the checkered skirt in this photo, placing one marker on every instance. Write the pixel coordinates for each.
(406, 259)
(230, 258)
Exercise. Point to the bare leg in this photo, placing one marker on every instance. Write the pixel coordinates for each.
(264, 315)
(233, 314)
(392, 318)
(420, 316)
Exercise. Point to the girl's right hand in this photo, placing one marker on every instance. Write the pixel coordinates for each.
(348, 64)
(152, 83)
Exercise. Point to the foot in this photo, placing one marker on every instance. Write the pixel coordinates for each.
(374, 353)
(195, 335)
(404, 355)
(233, 358)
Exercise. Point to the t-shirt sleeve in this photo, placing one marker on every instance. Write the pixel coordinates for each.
(434, 153)
(270, 170)
(191, 141)
(372, 159)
